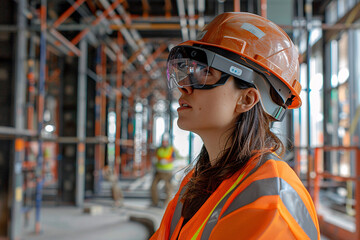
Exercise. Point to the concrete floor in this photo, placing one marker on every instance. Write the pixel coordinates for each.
(63, 223)
(68, 222)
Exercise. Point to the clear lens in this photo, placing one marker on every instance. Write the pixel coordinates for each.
(186, 72)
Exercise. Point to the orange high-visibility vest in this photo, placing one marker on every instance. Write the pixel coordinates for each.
(262, 202)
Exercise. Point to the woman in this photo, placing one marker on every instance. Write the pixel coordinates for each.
(240, 75)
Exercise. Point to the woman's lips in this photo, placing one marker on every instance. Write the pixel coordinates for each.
(183, 105)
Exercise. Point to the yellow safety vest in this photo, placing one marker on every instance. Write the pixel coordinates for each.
(165, 153)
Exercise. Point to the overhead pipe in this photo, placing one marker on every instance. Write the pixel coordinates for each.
(92, 75)
(140, 42)
(87, 17)
(135, 34)
(67, 13)
(133, 37)
(55, 38)
(126, 34)
(109, 10)
(55, 45)
(125, 16)
(129, 39)
(110, 54)
(155, 54)
(133, 57)
(90, 36)
(146, 52)
(102, 21)
(129, 66)
(92, 39)
(69, 45)
(123, 59)
(183, 21)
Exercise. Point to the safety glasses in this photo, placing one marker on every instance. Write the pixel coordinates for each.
(186, 72)
(191, 66)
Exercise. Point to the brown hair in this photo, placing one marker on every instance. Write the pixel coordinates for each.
(250, 135)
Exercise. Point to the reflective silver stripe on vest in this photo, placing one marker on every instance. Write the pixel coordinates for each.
(177, 213)
(214, 218)
(290, 198)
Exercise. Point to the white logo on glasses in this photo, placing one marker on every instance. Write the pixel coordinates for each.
(235, 70)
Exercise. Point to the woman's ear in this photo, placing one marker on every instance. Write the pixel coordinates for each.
(247, 99)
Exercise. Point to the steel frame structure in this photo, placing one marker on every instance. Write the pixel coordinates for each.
(52, 38)
(314, 180)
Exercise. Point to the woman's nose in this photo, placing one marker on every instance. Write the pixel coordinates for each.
(186, 90)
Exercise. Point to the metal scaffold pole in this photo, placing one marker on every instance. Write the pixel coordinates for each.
(308, 12)
(118, 106)
(97, 121)
(19, 113)
(100, 115)
(81, 127)
(41, 93)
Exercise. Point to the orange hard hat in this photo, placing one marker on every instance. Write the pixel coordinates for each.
(261, 44)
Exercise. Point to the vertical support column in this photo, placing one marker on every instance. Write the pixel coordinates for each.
(19, 99)
(150, 128)
(263, 6)
(308, 9)
(308, 12)
(81, 124)
(41, 87)
(317, 177)
(103, 108)
(169, 124)
(97, 121)
(16, 217)
(100, 116)
(118, 105)
(191, 140)
(125, 136)
(357, 193)
(31, 85)
(236, 5)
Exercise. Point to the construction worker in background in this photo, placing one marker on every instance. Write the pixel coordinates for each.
(116, 193)
(163, 170)
(240, 74)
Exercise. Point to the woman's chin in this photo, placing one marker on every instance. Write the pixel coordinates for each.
(182, 125)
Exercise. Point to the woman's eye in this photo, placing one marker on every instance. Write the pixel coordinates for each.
(182, 66)
(205, 71)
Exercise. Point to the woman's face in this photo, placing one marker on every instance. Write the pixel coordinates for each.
(211, 109)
